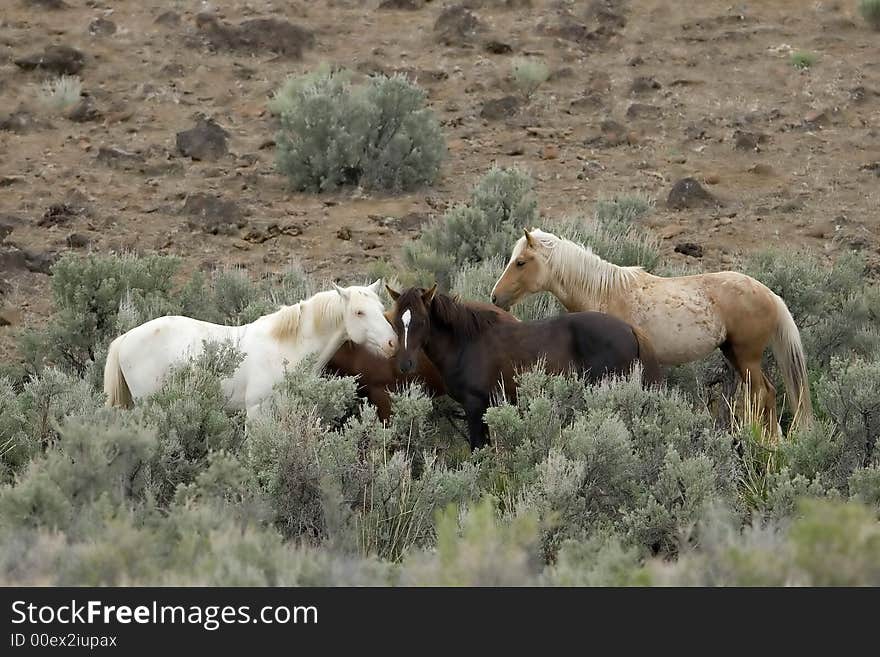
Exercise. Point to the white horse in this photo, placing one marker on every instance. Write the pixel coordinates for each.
(685, 317)
(139, 361)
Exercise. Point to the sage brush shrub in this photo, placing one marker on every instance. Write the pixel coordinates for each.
(379, 135)
(870, 11)
(501, 205)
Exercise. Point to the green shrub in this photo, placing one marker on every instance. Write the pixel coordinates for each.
(870, 11)
(528, 74)
(803, 60)
(333, 134)
(501, 205)
(61, 94)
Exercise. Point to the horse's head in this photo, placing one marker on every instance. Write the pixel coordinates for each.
(364, 318)
(525, 273)
(412, 323)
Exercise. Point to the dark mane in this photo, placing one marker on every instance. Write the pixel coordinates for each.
(451, 313)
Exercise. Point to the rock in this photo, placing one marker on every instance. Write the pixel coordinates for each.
(212, 214)
(410, 5)
(457, 26)
(586, 103)
(644, 84)
(14, 259)
(205, 141)
(53, 5)
(497, 47)
(689, 249)
(638, 60)
(85, 111)
(116, 158)
(102, 27)
(643, 111)
(761, 169)
(22, 122)
(61, 213)
(550, 152)
(78, 240)
(344, 233)
(712, 179)
(514, 148)
(168, 19)
(612, 134)
(871, 166)
(265, 232)
(10, 317)
(173, 70)
(564, 73)
(62, 60)
(501, 108)
(687, 193)
(748, 141)
(7, 225)
(256, 35)
(816, 119)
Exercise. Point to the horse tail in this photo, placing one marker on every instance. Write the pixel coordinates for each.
(651, 370)
(115, 385)
(789, 354)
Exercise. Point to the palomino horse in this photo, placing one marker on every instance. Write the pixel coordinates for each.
(474, 350)
(138, 361)
(685, 317)
(377, 375)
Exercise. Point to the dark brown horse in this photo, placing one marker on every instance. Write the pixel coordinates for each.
(377, 376)
(474, 351)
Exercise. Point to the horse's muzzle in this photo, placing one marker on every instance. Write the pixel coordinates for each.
(406, 365)
(502, 303)
(390, 348)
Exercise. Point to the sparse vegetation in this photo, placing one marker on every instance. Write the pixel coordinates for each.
(334, 133)
(802, 59)
(870, 11)
(606, 484)
(528, 74)
(60, 94)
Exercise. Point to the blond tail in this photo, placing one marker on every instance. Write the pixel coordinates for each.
(789, 354)
(115, 386)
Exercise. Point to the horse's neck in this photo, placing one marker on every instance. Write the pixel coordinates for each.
(601, 288)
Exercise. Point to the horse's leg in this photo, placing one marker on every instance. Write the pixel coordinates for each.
(475, 408)
(762, 391)
(728, 386)
(380, 398)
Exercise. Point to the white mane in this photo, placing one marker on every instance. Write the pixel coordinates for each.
(324, 309)
(575, 265)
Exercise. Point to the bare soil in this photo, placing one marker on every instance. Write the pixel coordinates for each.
(642, 94)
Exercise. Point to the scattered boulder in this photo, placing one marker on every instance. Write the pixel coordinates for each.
(116, 158)
(168, 19)
(410, 5)
(688, 194)
(643, 111)
(611, 134)
(22, 122)
(7, 225)
(61, 213)
(497, 47)
(457, 26)
(102, 27)
(213, 214)
(85, 111)
(344, 233)
(748, 141)
(78, 240)
(205, 141)
(255, 36)
(13, 259)
(644, 84)
(53, 5)
(691, 249)
(501, 108)
(62, 60)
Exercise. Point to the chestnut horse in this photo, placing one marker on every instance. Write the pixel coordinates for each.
(378, 375)
(685, 317)
(474, 350)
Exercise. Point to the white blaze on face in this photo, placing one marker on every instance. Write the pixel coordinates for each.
(405, 318)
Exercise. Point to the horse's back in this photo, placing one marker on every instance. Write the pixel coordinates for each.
(602, 344)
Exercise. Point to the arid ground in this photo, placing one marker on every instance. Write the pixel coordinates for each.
(641, 94)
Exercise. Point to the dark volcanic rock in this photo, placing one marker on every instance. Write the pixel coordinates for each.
(168, 19)
(78, 240)
(206, 141)
(85, 111)
(7, 225)
(410, 5)
(46, 4)
(497, 47)
(22, 122)
(748, 141)
(212, 214)
(644, 84)
(117, 158)
(62, 60)
(256, 36)
(61, 213)
(457, 26)
(501, 108)
(643, 111)
(689, 249)
(102, 27)
(687, 193)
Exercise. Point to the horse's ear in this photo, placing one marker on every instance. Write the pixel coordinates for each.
(394, 294)
(342, 291)
(376, 286)
(529, 240)
(428, 295)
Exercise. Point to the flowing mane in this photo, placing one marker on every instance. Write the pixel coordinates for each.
(573, 264)
(321, 308)
(453, 314)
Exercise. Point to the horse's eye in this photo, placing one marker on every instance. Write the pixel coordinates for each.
(520, 263)
(360, 313)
